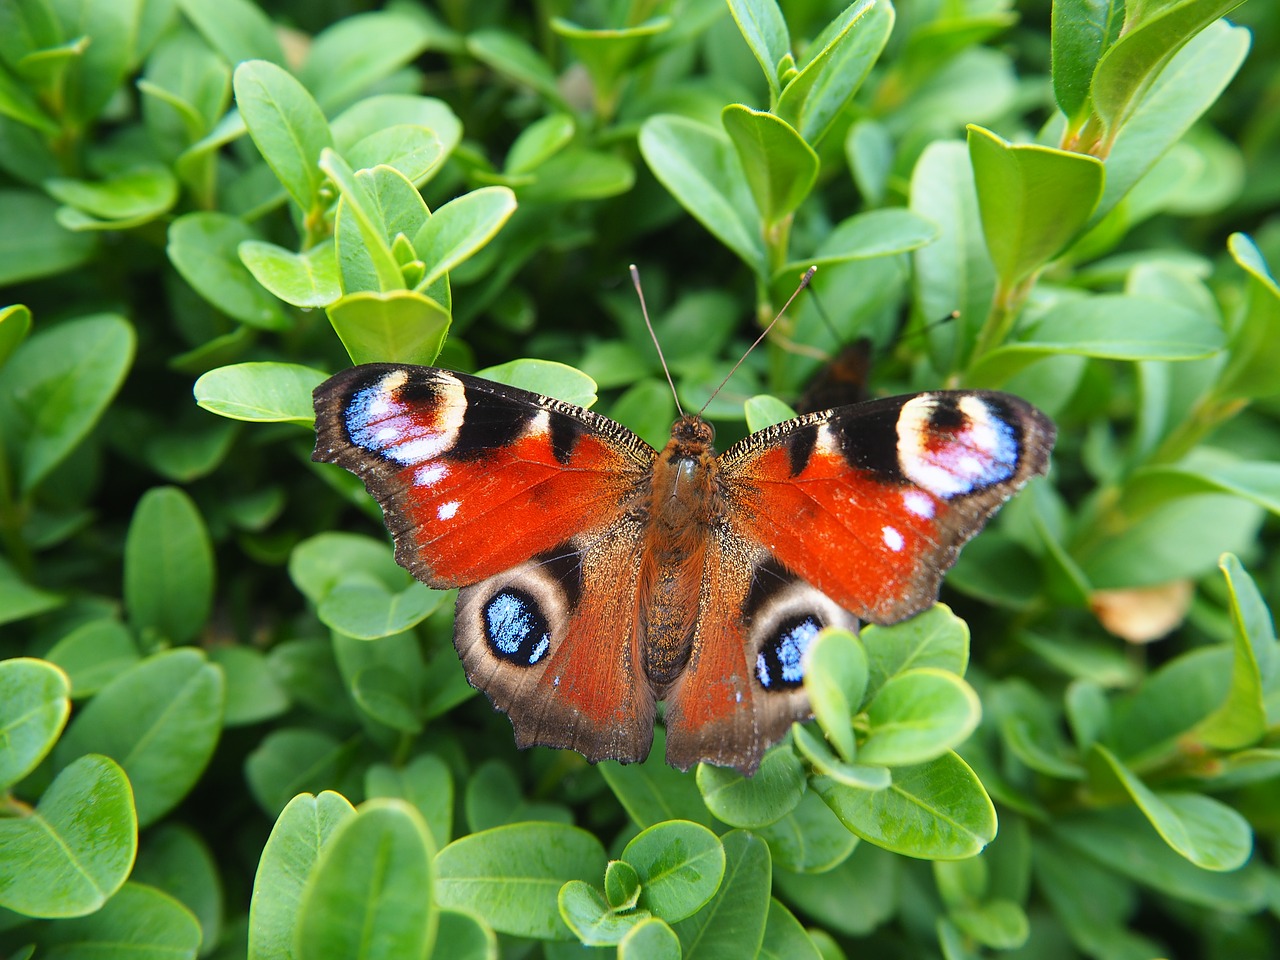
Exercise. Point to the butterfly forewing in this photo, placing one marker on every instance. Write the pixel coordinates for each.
(871, 503)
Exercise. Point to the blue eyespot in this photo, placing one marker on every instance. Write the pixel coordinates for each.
(779, 665)
(515, 628)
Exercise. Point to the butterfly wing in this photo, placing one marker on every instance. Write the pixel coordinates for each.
(871, 503)
(523, 501)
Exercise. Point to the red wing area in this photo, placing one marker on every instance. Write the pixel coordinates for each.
(871, 503)
(474, 477)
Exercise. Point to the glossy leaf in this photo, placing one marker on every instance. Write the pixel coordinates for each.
(763, 27)
(780, 167)
(168, 567)
(680, 866)
(68, 856)
(918, 715)
(756, 801)
(586, 913)
(810, 839)
(784, 937)
(935, 638)
(460, 228)
(15, 324)
(264, 392)
(426, 782)
(307, 279)
(651, 939)
(652, 792)
(205, 248)
(732, 924)
(137, 920)
(160, 722)
(1082, 30)
(399, 325)
(836, 679)
(547, 378)
(34, 706)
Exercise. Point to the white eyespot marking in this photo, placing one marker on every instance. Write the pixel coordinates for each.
(430, 474)
(954, 446)
(447, 510)
(737, 697)
(921, 504)
(892, 539)
(556, 680)
(379, 421)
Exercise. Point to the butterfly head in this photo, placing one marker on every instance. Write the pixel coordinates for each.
(692, 432)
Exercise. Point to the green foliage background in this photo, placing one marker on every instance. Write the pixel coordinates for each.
(231, 726)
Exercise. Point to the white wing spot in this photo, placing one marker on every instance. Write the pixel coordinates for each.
(447, 510)
(921, 504)
(892, 538)
(430, 474)
(387, 433)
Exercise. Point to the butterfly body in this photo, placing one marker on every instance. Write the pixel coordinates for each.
(599, 576)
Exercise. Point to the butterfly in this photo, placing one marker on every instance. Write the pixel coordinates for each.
(599, 576)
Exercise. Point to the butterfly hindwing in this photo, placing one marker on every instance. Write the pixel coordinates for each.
(474, 477)
(871, 503)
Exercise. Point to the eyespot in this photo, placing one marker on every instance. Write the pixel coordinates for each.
(780, 662)
(515, 628)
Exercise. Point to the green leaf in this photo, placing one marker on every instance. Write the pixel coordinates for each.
(700, 168)
(176, 860)
(1127, 70)
(289, 761)
(94, 654)
(368, 611)
(785, 938)
(138, 920)
(370, 894)
(621, 885)
(546, 377)
(680, 865)
(1082, 30)
(765, 31)
(412, 150)
(365, 256)
(462, 936)
(75, 850)
(460, 228)
(764, 411)
(1207, 832)
(261, 392)
(300, 833)
(580, 174)
(98, 72)
(833, 67)
(494, 798)
(809, 839)
(780, 167)
(43, 247)
(652, 792)
(321, 563)
(876, 233)
(253, 693)
(955, 271)
(1181, 93)
(133, 196)
(875, 874)
(397, 325)
(934, 638)
(1034, 200)
(160, 722)
(388, 696)
(1242, 719)
(836, 680)
(205, 249)
(538, 142)
(936, 811)
(590, 918)
(651, 939)
(426, 782)
(237, 29)
(513, 58)
(756, 801)
(287, 125)
(168, 567)
(15, 324)
(510, 876)
(1253, 360)
(56, 386)
(918, 715)
(732, 923)
(308, 279)
(356, 52)
(607, 54)
(827, 764)
(34, 706)
(1111, 326)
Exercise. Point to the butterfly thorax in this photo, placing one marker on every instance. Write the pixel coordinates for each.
(685, 503)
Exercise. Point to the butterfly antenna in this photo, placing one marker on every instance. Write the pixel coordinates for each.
(804, 282)
(635, 280)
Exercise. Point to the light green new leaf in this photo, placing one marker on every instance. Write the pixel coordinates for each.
(1081, 31)
(287, 125)
(370, 895)
(701, 169)
(369, 611)
(835, 678)
(55, 388)
(135, 195)
(1242, 719)
(781, 168)
(168, 567)
(1127, 70)
(1034, 200)
(300, 833)
(364, 250)
(765, 31)
(1253, 368)
(414, 150)
(826, 764)
(917, 716)
(461, 227)
(547, 377)
(935, 811)
(261, 392)
(934, 638)
(68, 856)
(679, 865)
(404, 326)
(875, 233)
(15, 324)
(589, 916)
(308, 279)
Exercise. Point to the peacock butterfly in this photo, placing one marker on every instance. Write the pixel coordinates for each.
(599, 576)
